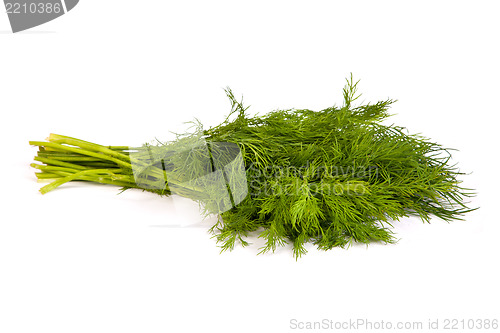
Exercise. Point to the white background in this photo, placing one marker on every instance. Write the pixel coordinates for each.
(83, 259)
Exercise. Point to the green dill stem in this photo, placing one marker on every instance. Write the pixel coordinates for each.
(107, 176)
(100, 179)
(47, 175)
(63, 175)
(53, 168)
(69, 157)
(49, 161)
(78, 175)
(81, 151)
(100, 152)
(89, 146)
(92, 165)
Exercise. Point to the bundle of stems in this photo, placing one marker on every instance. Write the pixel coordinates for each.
(66, 159)
(330, 177)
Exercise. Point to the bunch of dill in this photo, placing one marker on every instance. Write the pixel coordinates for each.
(330, 177)
(334, 176)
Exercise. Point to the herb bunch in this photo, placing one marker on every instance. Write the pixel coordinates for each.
(330, 177)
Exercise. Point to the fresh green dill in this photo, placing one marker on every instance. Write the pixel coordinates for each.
(330, 177)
